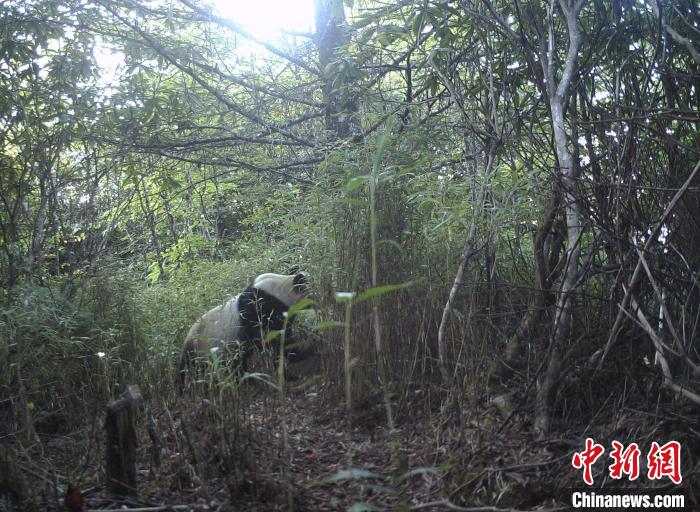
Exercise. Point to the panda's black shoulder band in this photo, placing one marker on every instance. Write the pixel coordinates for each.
(260, 308)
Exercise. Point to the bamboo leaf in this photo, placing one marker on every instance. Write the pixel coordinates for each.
(351, 474)
(299, 306)
(262, 377)
(330, 324)
(363, 506)
(381, 290)
(355, 183)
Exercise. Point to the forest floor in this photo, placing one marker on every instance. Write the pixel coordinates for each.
(206, 463)
(319, 477)
(202, 465)
(319, 444)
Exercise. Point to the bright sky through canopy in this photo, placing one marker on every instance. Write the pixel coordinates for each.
(266, 18)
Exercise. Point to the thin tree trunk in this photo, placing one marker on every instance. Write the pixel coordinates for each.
(502, 369)
(558, 98)
(150, 217)
(37, 240)
(468, 251)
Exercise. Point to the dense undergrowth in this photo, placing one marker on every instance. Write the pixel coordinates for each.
(67, 358)
(496, 201)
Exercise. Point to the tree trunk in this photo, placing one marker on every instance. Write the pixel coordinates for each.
(38, 235)
(546, 252)
(339, 100)
(558, 96)
(121, 440)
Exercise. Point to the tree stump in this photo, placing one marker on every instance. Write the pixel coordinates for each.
(12, 481)
(120, 430)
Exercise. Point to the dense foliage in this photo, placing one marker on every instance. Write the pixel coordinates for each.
(523, 172)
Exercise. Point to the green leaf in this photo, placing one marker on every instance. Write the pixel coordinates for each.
(148, 108)
(273, 335)
(365, 36)
(381, 290)
(329, 324)
(382, 145)
(356, 182)
(295, 346)
(262, 377)
(299, 306)
(393, 243)
(363, 506)
(351, 474)
(345, 474)
(417, 25)
(353, 202)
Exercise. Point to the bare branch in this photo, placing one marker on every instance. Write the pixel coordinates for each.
(235, 27)
(636, 275)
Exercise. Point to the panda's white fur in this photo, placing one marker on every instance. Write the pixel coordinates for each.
(215, 327)
(280, 286)
(238, 320)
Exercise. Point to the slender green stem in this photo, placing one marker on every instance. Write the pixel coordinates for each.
(383, 381)
(285, 430)
(348, 377)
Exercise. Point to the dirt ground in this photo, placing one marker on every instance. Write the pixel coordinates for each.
(200, 461)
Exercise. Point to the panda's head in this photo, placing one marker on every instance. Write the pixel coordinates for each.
(290, 289)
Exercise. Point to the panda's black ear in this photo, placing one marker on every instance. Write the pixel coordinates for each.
(300, 281)
(294, 270)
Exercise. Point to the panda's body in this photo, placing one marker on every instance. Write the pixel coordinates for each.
(215, 328)
(245, 319)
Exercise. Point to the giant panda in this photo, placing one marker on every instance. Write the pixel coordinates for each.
(245, 319)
